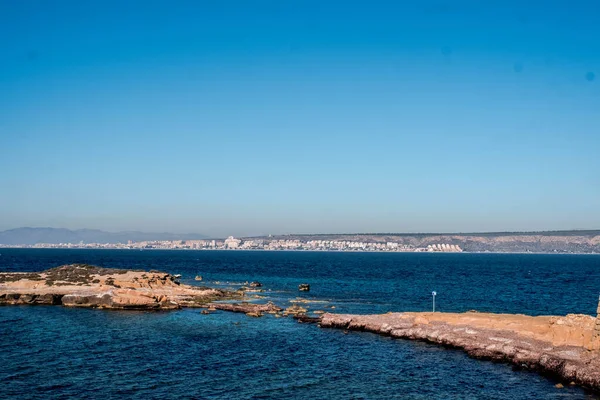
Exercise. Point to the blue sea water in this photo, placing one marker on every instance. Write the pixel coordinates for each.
(56, 352)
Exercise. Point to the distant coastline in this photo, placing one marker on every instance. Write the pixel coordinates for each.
(554, 242)
(296, 250)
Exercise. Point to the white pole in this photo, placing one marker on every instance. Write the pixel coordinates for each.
(433, 294)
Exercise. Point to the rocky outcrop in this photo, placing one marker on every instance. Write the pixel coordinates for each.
(81, 285)
(24, 299)
(295, 310)
(304, 287)
(562, 347)
(303, 318)
(120, 300)
(251, 309)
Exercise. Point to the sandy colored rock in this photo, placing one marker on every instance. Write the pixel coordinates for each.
(557, 346)
(294, 310)
(81, 285)
(254, 314)
(307, 301)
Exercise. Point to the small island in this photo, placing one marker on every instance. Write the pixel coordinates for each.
(82, 285)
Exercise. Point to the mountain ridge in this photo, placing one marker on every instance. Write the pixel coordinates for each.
(34, 235)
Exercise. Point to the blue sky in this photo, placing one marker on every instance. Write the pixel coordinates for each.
(239, 117)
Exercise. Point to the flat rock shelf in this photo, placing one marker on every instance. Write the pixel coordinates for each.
(565, 348)
(81, 285)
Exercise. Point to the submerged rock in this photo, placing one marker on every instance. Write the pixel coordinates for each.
(246, 307)
(254, 314)
(307, 301)
(306, 319)
(294, 310)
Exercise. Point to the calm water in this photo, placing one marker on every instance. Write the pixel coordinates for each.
(63, 353)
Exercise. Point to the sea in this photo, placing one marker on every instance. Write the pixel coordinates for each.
(50, 352)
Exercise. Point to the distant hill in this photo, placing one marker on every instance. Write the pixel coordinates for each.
(59, 235)
(383, 236)
(574, 241)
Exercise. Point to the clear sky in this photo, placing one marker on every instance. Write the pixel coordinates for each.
(256, 117)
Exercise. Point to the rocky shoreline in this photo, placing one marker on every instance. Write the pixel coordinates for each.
(81, 285)
(566, 348)
(561, 347)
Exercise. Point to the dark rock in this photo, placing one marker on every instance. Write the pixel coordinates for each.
(247, 307)
(304, 287)
(31, 299)
(74, 300)
(306, 319)
(16, 276)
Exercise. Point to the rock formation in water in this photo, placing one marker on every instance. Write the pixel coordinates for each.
(563, 347)
(304, 287)
(247, 308)
(567, 348)
(81, 285)
(295, 309)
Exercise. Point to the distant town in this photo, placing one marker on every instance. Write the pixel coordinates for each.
(232, 243)
(551, 242)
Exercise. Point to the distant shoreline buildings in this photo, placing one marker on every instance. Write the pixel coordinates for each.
(560, 242)
(232, 243)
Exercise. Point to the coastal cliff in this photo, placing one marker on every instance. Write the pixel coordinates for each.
(81, 285)
(563, 347)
